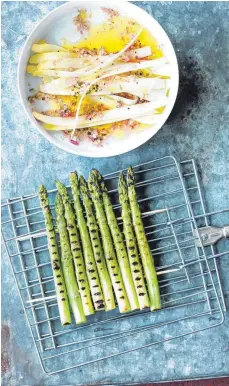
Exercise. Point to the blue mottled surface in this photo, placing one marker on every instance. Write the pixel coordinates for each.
(198, 127)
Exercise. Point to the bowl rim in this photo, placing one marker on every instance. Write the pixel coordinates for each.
(63, 145)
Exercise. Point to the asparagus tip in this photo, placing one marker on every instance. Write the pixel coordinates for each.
(73, 175)
(94, 177)
(82, 180)
(58, 184)
(83, 184)
(42, 189)
(92, 180)
(43, 197)
(59, 207)
(122, 188)
(62, 190)
(94, 186)
(130, 177)
(103, 187)
(84, 190)
(97, 174)
(100, 180)
(121, 180)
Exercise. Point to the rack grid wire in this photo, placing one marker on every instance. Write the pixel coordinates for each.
(192, 298)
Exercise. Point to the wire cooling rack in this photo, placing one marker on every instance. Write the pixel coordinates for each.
(192, 297)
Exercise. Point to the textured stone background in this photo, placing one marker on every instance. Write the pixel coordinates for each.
(198, 127)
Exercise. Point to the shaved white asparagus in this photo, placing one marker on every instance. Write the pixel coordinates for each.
(59, 73)
(129, 84)
(150, 119)
(109, 116)
(120, 53)
(126, 101)
(75, 63)
(154, 65)
(59, 86)
(151, 94)
(154, 118)
(165, 70)
(44, 47)
(62, 82)
(64, 63)
(107, 101)
(138, 53)
(38, 58)
(59, 91)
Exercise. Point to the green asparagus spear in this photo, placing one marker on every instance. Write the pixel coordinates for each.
(135, 264)
(61, 293)
(91, 269)
(67, 263)
(76, 250)
(108, 248)
(119, 245)
(97, 247)
(147, 258)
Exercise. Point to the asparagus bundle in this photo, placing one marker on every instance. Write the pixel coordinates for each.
(61, 293)
(76, 250)
(146, 256)
(135, 265)
(97, 247)
(108, 248)
(119, 245)
(92, 273)
(67, 263)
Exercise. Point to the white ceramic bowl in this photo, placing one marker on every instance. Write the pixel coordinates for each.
(53, 28)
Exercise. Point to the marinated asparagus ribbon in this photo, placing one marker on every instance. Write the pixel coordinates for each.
(61, 293)
(135, 264)
(91, 268)
(119, 245)
(146, 256)
(67, 263)
(97, 247)
(108, 247)
(76, 250)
